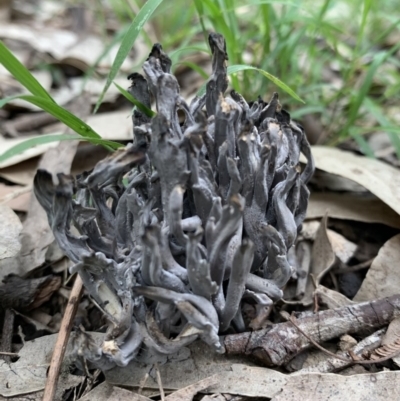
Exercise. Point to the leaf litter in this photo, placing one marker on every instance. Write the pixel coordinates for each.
(367, 204)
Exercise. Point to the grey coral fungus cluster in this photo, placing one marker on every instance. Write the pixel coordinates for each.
(212, 200)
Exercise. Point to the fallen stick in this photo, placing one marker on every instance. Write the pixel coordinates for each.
(334, 364)
(277, 346)
(62, 340)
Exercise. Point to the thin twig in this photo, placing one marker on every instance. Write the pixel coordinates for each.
(355, 268)
(9, 197)
(143, 383)
(62, 340)
(354, 359)
(9, 353)
(159, 382)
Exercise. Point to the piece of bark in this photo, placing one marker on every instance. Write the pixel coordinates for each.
(277, 346)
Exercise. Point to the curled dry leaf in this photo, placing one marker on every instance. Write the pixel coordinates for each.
(342, 247)
(392, 336)
(383, 279)
(351, 206)
(322, 259)
(378, 177)
(330, 298)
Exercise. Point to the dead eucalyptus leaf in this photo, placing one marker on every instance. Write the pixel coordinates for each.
(342, 247)
(383, 279)
(15, 196)
(10, 229)
(392, 336)
(28, 374)
(351, 206)
(323, 256)
(106, 392)
(36, 235)
(187, 393)
(177, 371)
(378, 177)
(335, 183)
(116, 126)
(369, 386)
(331, 298)
(322, 259)
(20, 173)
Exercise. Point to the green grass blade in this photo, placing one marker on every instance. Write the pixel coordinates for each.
(362, 92)
(8, 99)
(127, 42)
(366, 9)
(149, 113)
(362, 143)
(233, 69)
(194, 67)
(63, 115)
(384, 122)
(21, 73)
(117, 38)
(42, 139)
(200, 11)
(188, 49)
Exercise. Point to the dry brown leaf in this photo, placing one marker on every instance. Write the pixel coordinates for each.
(383, 278)
(187, 393)
(106, 392)
(323, 256)
(350, 206)
(28, 374)
(85, 159)
(9, 86)
(342, 247)
(378, 177)
(47, 40)
(392, 335)
(330, 298)
(15, 196)
(10, 229)
(268, 383)
(8, 143)
(20, 173)
(328, 386)
(322, 260)
(36, 235)
(253, 381)
(335, 183)
(114, 126)
(188, 366)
